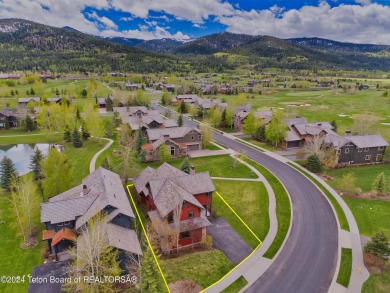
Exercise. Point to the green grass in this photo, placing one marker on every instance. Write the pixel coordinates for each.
(344, 275)
(370, 215)
(212, 148)
(365, 175)
(250, 201)
(204, 267)
(378, 283)
(339, 211)
(261, 144)
(246, 143)
(236, 286)
(14, 260)
(283, 209)
(18, 138)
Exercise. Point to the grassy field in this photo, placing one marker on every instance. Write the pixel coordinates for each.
(371, 215)
(378, 283)
(210, 266)
(365, 175)
(261, 144)
(283, 209)
(250, 201)
(236, 286)
(14, 260)
(344, 275)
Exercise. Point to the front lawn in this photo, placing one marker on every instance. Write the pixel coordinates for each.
(370, 215)
(236, 286)
(14, 260)
(204, 267)
(365, 175)
(344, 275)
(250, 201)
(378, 283)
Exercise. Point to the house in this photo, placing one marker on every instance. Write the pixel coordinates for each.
(188, 99)
(100, 192)
(169, 87)
(207, 104)
(357, 149)
(177, 203)
(9, 76)
(132, 86)
(101, 102)
(57, 100)
(300, 131)
(24, 101)
(8, 118)
(242, 113)
(180, 140)
(138, 111)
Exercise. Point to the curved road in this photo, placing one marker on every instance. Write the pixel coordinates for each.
(307, 263)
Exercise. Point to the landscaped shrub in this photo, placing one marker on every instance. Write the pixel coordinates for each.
(314, 164)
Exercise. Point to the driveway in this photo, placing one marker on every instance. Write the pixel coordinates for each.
(228, 241)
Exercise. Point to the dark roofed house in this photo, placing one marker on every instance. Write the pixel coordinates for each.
(357, 149)
(166, 188)
(8, 118)
(180, 140)
(57, 100)
(24, 101)
(132, 86)
(101, 102)
(100, 192)
(188, 99)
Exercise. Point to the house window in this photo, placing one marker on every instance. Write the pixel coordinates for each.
(192, 137)
(381, 148)
(366, 150)
(190, 214)
(185, 234)
(368, 157)
(172, 150)
(208, 194)
(360, 150)
(338, 152)
(379, 157)
(66, 223)
(347, 150)
(199, 137)
(60, 224)
(170, 218)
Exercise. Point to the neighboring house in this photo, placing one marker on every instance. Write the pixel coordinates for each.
(57, 100)
(357, 149)
(188, 99)
(9, 76)
(138, 111)
(180, 140)
(207, 104)
(132, 86)
(8, 118)
(100, 192)
(24, 101)
(169, 87)
(101, 102)
(166, 192)
(242, 113)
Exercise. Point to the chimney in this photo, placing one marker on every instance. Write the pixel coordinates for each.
(85, 189)
(319, 124)
(348, 133)
(192, 170)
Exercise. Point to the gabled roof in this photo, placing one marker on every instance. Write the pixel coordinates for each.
(123, 239)
(368, 141)
(335, 141)
(173, 132)
(293, 121)
(9, 112)
(64, 233)
(28, 99)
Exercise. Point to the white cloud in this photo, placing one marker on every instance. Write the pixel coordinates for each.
(144, 32)
(351, 23)
(103, 21)
(126, 19)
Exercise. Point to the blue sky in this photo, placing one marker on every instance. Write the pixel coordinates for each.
(357, 21)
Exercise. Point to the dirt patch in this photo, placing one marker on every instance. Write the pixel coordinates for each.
(374, 264)
(187, 286)
(326, 177)
(367, 195)
(30, 242)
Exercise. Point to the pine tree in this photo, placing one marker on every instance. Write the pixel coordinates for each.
(380, 184)
(260, 133)
(84, 93)
(109, 104)
(180, 120)
(139, 141)
(35, 164)
(67, 136)
(150, 276)
(76, 140)
(186, 166)
(78, 114)
(379, 245)
(182, 108)
(84, 132)
(334, 124)
(314, 164)
(223, 119)
(7, 173)
(32, 92)
(29, 124)
(142, 156)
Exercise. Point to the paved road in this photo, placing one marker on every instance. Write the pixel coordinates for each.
(308, 261)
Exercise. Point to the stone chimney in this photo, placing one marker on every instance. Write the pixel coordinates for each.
(348, 133)
(192, 170)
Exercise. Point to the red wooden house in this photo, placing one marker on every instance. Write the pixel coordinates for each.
(178, 204)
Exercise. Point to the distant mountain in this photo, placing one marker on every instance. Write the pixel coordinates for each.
(330, 45)
(160, 46)
(71, 29)
(26, 45)
(125, 41)
(213, 43)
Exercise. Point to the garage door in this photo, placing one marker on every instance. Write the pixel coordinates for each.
(293, 144)
(194, 147)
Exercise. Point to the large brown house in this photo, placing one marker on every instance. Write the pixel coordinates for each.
(177, 204)
(8, 118)
(180, 140)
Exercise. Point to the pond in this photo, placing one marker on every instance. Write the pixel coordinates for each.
(20, 154)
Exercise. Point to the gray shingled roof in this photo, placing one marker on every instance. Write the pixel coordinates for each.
(292, 135)
(124, 239)
(368, 141)
(65, 210)
(196, 183)
(173, 132)
(292, 121)
(335, 141)
(129, 111)
(28, 99)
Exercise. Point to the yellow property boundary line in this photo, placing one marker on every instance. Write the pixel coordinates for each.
(155, 257)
